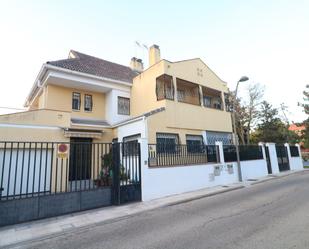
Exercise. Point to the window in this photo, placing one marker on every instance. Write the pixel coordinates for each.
(88, 103)
(165, 87)
(167, 143)
(130, 145)
(76, 101)
(194, 143)
(123, 106)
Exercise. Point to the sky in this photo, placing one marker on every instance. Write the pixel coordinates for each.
(268, 41)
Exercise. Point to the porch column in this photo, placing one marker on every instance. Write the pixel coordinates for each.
(221, 153)
(273, 157)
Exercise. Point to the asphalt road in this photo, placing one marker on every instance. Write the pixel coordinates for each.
(273, 214)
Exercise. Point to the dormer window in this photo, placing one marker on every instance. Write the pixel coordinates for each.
(76, 101)
(88, 103)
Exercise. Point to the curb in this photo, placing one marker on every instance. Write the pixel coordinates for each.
(274, 177)
(203, 196)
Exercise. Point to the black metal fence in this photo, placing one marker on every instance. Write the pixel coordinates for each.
(250, 152)
(246, 152)
(29, 169)
(229, 152)
(176, 154)
(294, 151)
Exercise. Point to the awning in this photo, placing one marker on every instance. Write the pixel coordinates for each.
(84, 134)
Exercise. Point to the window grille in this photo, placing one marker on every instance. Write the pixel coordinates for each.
(166, 142)
(76, 101)
(123, 106)
(194, 143)
(130, 145)
(224, 137)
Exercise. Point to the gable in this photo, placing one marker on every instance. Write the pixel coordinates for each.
(196, 71)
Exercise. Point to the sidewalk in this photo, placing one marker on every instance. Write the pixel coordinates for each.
(46, 228)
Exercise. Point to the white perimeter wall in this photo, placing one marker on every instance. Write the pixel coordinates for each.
(253, 169)
(160, 182)
(296, 163)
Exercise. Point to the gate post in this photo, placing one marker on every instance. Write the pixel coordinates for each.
(273, 157)
(221, 153)
(144, 167)
(116, 173)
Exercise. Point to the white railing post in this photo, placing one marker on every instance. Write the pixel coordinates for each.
(221, 154)
(273, 157)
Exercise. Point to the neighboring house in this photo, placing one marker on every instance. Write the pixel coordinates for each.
(84, 97)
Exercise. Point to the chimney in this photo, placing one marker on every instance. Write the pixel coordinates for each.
(137, 65)
(154, 55)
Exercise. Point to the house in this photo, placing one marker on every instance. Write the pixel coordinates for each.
(78, 106)
(84, 98)
(171, 121)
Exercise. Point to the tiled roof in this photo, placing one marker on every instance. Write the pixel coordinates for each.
(91, 65)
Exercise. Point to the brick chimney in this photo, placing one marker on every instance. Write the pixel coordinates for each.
(137, 65)
(154, 55)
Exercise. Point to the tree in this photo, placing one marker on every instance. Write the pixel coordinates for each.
(305, 105)
(255, 94)
(247, 111)
(271, 128)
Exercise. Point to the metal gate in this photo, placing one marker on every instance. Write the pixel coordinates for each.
(282, 155)
(268, 160)
(127, 172)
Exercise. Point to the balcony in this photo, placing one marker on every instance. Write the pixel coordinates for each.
(212, 98)
(188, 92)
(165, 87)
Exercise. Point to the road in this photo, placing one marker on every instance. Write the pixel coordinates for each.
(273, 214)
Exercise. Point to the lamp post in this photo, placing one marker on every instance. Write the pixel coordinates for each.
(242, 79)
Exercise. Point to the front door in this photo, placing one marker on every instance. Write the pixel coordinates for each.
(80, 159)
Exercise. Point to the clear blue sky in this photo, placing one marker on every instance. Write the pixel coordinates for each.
(265, 40)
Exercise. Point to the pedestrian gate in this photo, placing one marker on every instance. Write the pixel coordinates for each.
(283, 160)
(127, 172)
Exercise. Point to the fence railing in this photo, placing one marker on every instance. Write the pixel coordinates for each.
(294, 151)
(246, 152)
(229, 152)
(175, 154)
(29, 169)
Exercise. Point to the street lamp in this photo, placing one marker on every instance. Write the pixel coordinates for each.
(242, 79)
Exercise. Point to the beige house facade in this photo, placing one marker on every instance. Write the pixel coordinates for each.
(87, 97)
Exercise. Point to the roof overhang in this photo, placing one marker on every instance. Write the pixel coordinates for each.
(64, 77)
